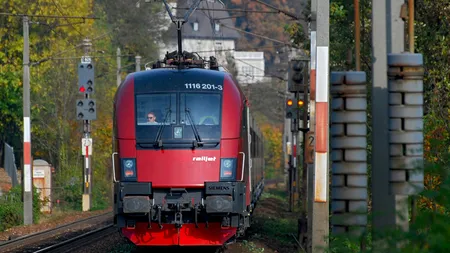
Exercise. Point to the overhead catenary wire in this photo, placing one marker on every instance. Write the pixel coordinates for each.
(257, 35)
(60, 11)
(278, 10)
(45, 16)
(68, 50)
(230, 10)
(239, 30)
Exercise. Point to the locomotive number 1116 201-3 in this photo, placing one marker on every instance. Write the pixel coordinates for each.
(203, 86)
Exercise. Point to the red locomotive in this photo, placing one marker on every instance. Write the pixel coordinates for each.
(188, 156)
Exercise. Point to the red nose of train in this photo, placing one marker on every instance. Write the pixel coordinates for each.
(178, 168)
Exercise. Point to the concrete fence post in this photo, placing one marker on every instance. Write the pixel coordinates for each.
(349, 152)
(405, 84)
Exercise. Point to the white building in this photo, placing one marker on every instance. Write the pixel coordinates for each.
(250, 66)
(203, 33)
(207, 34)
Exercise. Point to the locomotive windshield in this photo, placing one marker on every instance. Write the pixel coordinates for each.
(178, 119)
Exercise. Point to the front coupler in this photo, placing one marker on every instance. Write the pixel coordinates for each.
(223, 202)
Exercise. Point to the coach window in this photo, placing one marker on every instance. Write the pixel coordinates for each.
(157, 104)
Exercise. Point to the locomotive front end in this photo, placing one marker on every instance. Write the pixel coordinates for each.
(179, 169)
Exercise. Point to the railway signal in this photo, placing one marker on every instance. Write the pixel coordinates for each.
(296, 78)
(86, 77)
(295, 108)
(290, 109)
(86, 109)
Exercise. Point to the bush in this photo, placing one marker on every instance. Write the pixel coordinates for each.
(72, 197)
(100, 198)
(11, 208)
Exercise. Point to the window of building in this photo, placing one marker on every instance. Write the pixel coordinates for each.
(218, 46)
(247, 70)
(217, 27)
(196, 26)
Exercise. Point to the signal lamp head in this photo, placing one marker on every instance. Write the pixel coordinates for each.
(289, 102)
(82, 89)
(300, 103)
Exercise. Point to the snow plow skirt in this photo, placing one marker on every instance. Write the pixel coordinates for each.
(187, 235)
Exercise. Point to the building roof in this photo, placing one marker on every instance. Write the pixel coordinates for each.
(206, 27)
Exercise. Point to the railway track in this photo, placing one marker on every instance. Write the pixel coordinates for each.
(80, 241)
(28, 243)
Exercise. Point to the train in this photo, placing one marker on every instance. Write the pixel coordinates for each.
(188, 156)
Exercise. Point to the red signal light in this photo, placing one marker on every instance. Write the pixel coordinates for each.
(82, 89)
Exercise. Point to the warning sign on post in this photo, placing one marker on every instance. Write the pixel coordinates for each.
(86, 145)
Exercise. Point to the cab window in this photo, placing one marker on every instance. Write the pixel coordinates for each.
(156, 109)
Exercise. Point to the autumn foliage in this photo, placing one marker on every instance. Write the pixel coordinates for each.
(273, 148)
(269, 25)
(436, 152)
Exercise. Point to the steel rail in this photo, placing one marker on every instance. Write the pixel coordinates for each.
(38, 236)
(80, 241)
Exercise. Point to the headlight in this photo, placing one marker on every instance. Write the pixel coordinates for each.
(129, 169)
(228, 169)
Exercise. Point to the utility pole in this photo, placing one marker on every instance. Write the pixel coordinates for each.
(138, 63)
(27, 181)
(321, 167)
(118, 68)
(302, 221)
(310, 136)
(386, 38)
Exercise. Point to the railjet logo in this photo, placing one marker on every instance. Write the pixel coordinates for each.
(203, 159)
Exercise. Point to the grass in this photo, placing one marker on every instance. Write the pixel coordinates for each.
(272, 224)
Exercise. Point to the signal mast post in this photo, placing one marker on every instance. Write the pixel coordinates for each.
(86, 111)
(87, 190)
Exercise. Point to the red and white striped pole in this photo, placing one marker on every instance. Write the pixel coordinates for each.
(27, 174)
(322, 125)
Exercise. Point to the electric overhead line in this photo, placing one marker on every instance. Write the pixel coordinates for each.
(260, 69)
(61, 12)
(230, 17)
(257, 35)
(67, 50)
(52, 29)
(238, 49)
(46, 16)
(287, 13)
(225, 9)
(242, 31)
(99, 56)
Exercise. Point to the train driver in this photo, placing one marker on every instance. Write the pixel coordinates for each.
(151, 118)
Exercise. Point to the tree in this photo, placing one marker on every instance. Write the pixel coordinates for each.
(137, 29)
(270, 25)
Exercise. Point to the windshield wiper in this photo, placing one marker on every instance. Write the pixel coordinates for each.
(198, 141)
(158, 141)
